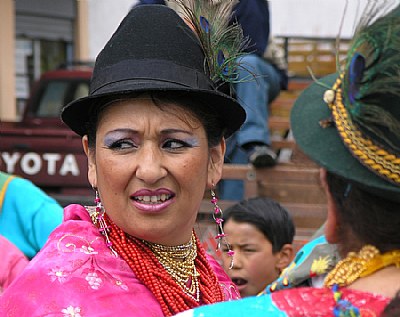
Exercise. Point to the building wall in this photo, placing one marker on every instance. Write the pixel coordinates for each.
(35, 36)
(45, 19)
(104, 18)
(313, 18)
(7, 68)
(94, 21)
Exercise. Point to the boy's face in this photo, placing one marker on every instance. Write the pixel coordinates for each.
(254, 264)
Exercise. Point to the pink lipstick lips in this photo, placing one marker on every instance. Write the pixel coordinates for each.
(152, 200)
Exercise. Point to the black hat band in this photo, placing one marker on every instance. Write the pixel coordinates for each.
(149, 70)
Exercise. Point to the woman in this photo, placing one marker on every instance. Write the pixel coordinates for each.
(261, 234)
(153, 129)
(349, 123)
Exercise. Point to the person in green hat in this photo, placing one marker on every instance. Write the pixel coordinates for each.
(349, 123)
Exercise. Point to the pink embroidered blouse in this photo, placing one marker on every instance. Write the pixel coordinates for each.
(75, 274)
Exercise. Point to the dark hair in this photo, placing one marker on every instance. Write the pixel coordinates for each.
(266, 215)
(393, 308)
(364, 217)
(199, 108)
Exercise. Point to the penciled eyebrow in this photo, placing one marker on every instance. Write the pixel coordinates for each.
(171, 131)
(166, 131)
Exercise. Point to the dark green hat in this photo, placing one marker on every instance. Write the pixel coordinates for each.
(349, 122)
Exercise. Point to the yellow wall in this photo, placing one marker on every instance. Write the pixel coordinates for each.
(82, 29)
(8, 108)
(7, 62)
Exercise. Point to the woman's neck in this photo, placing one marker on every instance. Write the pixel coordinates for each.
(384, 282)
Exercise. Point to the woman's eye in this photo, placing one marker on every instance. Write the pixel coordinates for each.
(122, 144)
(175, 144)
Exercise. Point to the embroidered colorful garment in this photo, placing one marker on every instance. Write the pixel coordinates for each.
(308, 268)
(296, 302)
(75, 274)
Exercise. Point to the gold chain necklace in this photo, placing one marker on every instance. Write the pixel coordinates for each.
(178, 261)
(361, 264)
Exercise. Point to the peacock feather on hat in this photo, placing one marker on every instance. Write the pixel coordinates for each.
(221, 42)
(366, 103)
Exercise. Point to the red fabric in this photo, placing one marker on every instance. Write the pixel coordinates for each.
(313, 302)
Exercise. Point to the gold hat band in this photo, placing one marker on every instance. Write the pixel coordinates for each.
(378, 160)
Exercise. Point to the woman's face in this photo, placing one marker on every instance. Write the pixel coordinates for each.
(254, 264)
(151, 167)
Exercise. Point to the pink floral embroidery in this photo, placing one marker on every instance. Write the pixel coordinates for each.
(88, 250)
(71, 312)
(57, 274)
(94, 280)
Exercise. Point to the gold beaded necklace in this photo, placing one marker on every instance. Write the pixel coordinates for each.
(361, 264)
(178, 261)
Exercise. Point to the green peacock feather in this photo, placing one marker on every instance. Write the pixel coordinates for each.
(372, 71)
(222, 42)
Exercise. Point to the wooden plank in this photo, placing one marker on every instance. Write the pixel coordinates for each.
(283, 182)
(320, 55)
(310, 216)
(288, 172)
(285, 172)
(242, 172)
(296, 85)
(291, 183)
(294, 193)
(276, 123)
(238, 171)
(283, 144)
(282, 105)
(307, 215)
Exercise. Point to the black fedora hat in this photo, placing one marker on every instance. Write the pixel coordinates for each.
(152, 50)
(349, 122)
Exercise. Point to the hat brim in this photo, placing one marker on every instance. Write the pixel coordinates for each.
(324, 145)
(232, 115)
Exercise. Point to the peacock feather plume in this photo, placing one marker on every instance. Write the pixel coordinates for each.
(371, 88)
(221, 41)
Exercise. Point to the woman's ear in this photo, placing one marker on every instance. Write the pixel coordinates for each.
(285, 256)
(216, 163)
(91, 161)
(332, 219)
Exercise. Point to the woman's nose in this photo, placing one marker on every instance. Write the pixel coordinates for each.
(150, 165)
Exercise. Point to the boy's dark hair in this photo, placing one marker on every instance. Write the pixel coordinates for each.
(266, 215)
